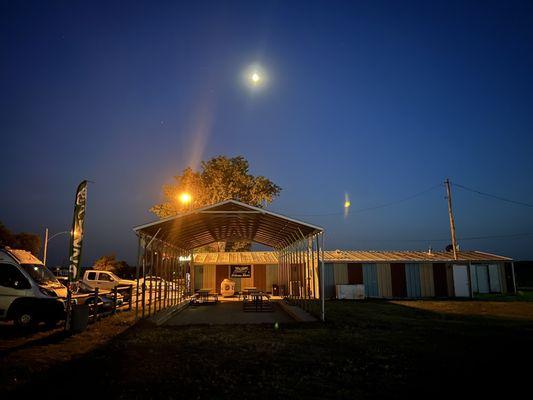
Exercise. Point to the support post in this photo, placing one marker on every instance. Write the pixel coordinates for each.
(322, 283)
(137, 272)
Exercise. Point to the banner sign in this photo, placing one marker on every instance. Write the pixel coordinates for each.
(76, 235)
(241, 271)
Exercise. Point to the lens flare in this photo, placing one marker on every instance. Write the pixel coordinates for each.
(347, 204)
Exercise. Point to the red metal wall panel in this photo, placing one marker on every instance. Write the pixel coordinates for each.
(440, 280)
(355, 273)
(399, 284)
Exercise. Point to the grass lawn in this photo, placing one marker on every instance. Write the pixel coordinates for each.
(365, 350)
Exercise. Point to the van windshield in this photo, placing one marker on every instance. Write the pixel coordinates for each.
(39, 273)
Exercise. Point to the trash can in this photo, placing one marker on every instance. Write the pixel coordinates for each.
(79, 318)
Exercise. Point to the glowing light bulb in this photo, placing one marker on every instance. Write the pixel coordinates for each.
(185, 198)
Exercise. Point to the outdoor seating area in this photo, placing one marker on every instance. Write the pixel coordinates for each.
(253, 300)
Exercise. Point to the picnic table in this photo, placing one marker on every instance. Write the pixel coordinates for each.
(257, 303)
(247, 291)
(204, 294)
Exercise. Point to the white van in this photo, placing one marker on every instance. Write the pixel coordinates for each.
(29, 292)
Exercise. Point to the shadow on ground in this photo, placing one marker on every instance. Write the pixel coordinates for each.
(365, 350)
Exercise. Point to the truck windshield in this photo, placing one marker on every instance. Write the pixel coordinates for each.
(39, 273)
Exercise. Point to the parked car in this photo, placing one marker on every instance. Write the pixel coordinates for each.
(154, 283)
(104, 280)
(104, 303)
(29, 292)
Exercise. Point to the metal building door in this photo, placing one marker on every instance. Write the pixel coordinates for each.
(482, 273)
(460, 281)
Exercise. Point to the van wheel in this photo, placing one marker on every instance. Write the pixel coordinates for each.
(25, 319)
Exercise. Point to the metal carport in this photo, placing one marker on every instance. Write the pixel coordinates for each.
(163, 243)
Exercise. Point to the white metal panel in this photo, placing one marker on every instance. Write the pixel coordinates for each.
(350, 292)
(482, 273)
(460, 281)
(494, 277)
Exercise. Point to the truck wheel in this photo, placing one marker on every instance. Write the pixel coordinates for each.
(25, 319)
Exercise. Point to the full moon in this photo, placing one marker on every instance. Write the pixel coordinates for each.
(255, 76)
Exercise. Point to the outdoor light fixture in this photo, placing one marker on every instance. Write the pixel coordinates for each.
(185, 198)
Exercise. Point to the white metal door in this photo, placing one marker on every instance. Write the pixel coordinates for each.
(482, 273)
(460, 281)
(494, 276)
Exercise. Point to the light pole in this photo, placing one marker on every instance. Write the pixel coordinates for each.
(47, 239)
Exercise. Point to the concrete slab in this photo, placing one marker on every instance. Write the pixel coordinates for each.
(227, 313)
(297, 313)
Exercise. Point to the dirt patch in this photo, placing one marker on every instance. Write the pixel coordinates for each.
(512, 309)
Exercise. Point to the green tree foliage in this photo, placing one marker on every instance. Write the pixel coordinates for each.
(24, 241)
(110, 263)
(220, 178)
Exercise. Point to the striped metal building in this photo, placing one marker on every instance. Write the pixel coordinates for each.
(385, 274)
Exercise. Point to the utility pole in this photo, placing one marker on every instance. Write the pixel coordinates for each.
(45, 246)
(452, 221)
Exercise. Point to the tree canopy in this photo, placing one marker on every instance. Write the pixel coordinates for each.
(24, 241)
(110, 263)
(220, 178)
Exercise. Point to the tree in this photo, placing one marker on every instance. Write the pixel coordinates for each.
(24, 241)
(110, 263)
(220, 178)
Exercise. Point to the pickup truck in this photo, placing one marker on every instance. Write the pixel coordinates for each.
(105, 280)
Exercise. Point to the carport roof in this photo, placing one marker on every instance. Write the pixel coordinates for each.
(228, 220)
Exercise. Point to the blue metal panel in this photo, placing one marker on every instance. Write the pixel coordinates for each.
(329, 281)
(370, 280)
(412, 278)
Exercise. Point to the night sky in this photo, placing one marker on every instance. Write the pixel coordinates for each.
(380, 100)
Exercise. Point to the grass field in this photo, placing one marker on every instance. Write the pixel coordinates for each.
(365, 350)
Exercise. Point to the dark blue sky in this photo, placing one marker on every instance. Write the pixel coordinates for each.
(377, 99)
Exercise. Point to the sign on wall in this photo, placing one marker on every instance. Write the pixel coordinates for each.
(241, 271)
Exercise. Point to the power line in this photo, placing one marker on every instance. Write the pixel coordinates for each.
(493, 196)
(374, 207)
(466, 238)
